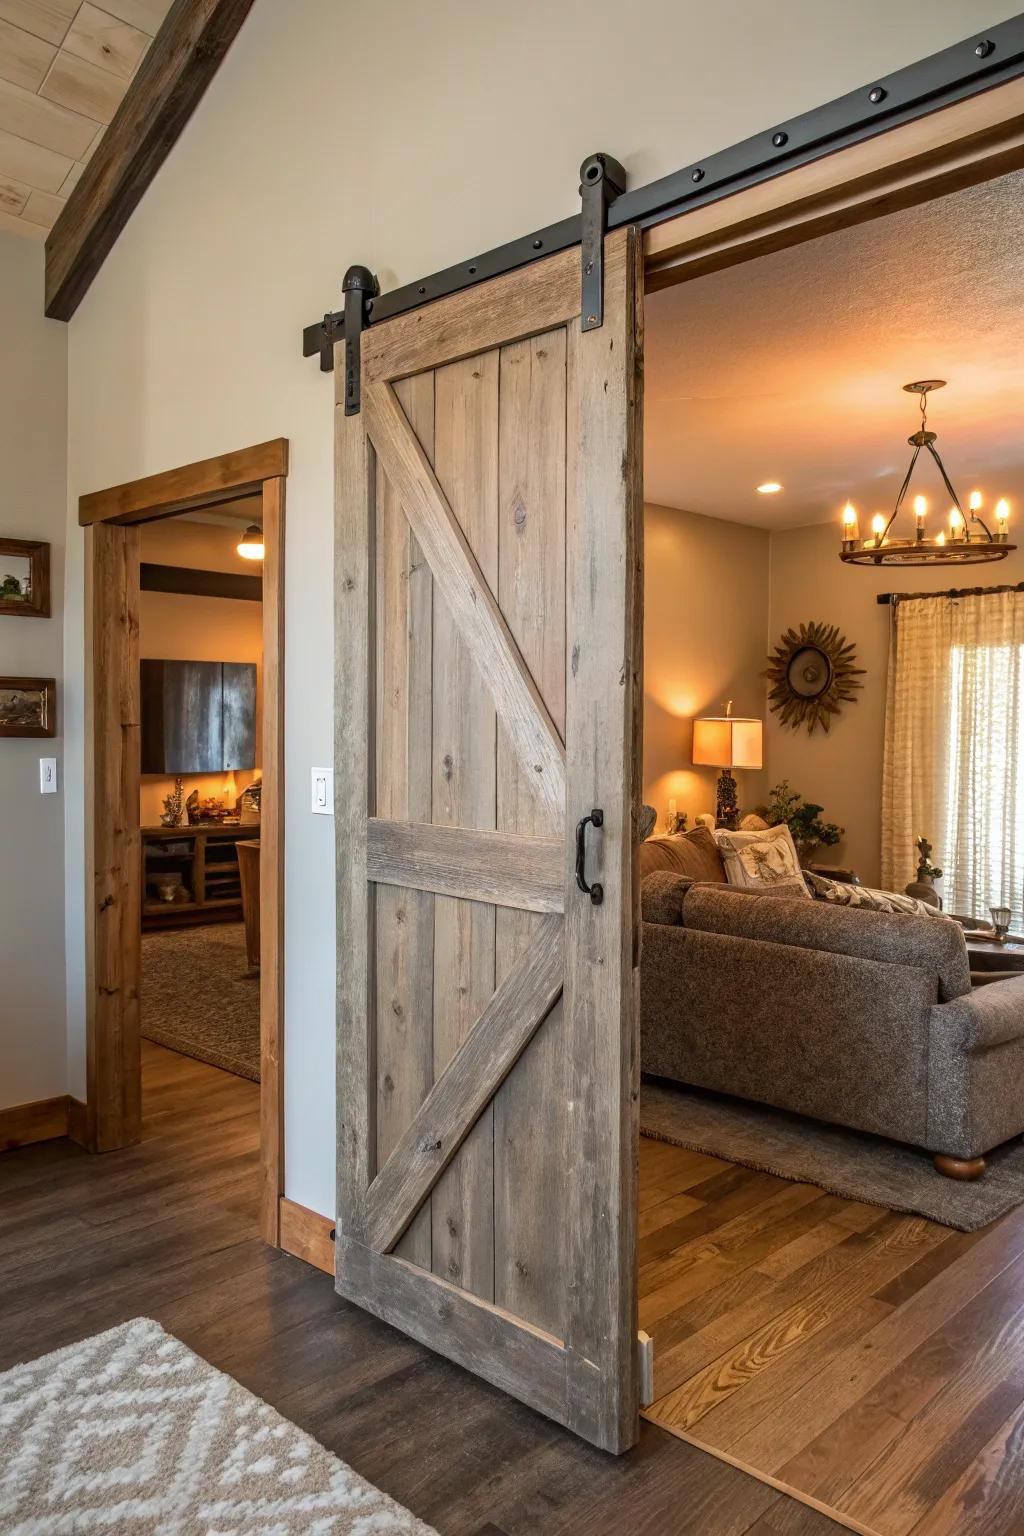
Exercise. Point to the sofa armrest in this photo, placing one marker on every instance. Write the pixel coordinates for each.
(986, 1017)
(661, 897)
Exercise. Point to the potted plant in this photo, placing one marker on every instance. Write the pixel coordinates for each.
(803, 818)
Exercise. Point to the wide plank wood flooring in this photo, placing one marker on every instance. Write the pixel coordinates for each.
(168, 1230)
(871, 1363)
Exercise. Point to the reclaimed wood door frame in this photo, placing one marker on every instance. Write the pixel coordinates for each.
(961, 145)
(585, 1376)
(113, 1110)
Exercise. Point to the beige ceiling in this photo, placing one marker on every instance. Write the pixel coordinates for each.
(64, 66)
(226, 514)
(791, 367)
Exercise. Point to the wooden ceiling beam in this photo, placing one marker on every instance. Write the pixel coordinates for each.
(183, 59)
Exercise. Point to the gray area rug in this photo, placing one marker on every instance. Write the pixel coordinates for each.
(849, 1163)
(199, 998)
(132, 1434)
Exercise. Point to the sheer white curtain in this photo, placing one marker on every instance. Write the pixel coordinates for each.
(954, 748)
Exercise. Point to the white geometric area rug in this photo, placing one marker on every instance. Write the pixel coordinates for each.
(130, 1433)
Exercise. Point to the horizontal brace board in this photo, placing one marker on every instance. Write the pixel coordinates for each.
(976, 64)
(465, 1087)
(512, 307)
(527, 873)
(523, 1361)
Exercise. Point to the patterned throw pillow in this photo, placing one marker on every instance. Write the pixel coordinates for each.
(762, 861)
(842, 895)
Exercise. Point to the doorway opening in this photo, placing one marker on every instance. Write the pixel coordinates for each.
(809, 1279)
(186, 686)
(200, 640)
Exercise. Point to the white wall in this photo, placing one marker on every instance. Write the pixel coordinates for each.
(33, 429)
(452, 128)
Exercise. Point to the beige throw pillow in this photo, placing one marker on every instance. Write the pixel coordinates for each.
(840, 894)
(762, 861)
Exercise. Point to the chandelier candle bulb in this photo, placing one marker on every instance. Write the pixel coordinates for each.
(851, 528)
(1002, 519)
(956, 523)
(878, 523)
(920, 508)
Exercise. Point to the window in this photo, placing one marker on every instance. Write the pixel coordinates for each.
(954, 748)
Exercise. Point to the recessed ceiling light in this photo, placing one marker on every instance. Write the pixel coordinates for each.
(769, 488)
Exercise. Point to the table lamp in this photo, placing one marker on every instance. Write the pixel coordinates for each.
(726, 741)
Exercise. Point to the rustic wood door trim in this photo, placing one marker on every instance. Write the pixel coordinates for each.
(580, 956)
(111, 518)
(959, 146)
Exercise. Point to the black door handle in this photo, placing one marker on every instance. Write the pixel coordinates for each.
(595, 891)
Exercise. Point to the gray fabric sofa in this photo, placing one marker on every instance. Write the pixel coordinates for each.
(864, 1019)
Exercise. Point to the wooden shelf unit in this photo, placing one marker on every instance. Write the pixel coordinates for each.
(205, 857)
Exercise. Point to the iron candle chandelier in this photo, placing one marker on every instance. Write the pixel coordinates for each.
(968, 541)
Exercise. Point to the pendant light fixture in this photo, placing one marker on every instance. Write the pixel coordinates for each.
(250, 545)
(966, 540)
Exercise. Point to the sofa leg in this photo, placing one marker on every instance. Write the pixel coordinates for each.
(960, 1167)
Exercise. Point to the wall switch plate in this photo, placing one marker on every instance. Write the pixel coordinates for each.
(323, 791)
(47, 775)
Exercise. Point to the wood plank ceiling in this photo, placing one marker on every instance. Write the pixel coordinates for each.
(64, 67)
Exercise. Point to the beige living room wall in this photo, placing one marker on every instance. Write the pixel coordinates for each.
(705, 628)
(843, 770)
(33, 427)
(464, 128)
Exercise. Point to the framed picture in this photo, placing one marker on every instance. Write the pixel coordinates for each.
(25, 578)
(28, 706)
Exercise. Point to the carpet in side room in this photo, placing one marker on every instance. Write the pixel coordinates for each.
(199, 997)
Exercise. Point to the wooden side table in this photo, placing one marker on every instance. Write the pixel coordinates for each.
(249, 873)
(994, 962)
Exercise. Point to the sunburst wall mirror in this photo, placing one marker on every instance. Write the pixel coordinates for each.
(813, 672)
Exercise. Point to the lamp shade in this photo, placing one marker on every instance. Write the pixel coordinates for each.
(727, 741)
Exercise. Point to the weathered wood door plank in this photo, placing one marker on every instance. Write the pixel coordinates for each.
(467, 1085)
(472, 603)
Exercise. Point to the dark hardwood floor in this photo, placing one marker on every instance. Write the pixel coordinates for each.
(168, 1230)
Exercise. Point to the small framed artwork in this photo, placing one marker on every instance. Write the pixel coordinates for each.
(25, 578)
(28, 706)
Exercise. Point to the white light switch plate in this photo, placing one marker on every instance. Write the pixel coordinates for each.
(323, 791)
(47, 775)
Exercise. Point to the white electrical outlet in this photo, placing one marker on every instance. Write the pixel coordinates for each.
(323, 791)
(47, 775)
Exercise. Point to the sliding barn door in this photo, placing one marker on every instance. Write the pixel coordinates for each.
(488, 696)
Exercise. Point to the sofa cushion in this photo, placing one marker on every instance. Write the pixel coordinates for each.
(931, 944)
(762, 860)
(692, 854)
(841, 894)
(661, 897)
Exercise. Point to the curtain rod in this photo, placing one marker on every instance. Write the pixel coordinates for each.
(899, 597)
